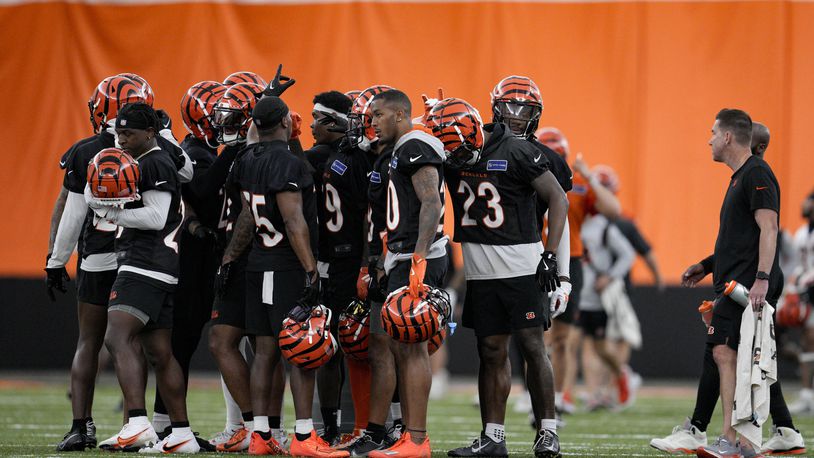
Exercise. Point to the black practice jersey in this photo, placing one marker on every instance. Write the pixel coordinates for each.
(318, 157)
(377, 201)
(96, 238)
(562, 172)
(344, 204)
(264, 170)
(203, 157)
(154, 250)
(229, 192)
(493, 201)
(403, 207)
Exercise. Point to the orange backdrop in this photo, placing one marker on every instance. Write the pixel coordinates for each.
(633, 85)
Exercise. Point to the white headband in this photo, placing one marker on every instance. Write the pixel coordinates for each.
(323, 109)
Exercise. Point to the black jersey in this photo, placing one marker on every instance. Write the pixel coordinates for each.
(96, 238)
(318, 157)
(203, 156)
(154, 250)
(229, 191)
(562, 172)
(413, 151)
(493, 201)
(344, 204)
(264, 170)
(377, 201)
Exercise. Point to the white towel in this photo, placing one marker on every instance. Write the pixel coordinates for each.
(622, 321)
(756, 371)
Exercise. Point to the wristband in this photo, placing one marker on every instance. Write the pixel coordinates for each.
(761, 275)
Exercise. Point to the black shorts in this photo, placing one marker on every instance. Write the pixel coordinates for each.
(341, 286)
(569, 316)
(593, 323)
(94, 287)
(269, 298)
(398, 277)
(230, 309)
(500, 306)
(145, 298)
(725, 327)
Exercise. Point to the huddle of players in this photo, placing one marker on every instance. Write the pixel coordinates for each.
(382, 183)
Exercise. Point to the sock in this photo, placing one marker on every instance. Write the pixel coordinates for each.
(376, 432)
(359, 374)
(261, 423)
(303, 428)
(247, 416)
(233, 418)
(79, 425)
(395, 410)
(160, 421)
(549, 424)
(274, 422)
(330, 419)
(495, 432)
(137, 419)
(558, 398)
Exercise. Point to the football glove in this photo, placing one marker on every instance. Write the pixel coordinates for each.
(55, 279)
(430, 103)
(547, 277)
(222, 279)
(362, 283)
(310, 295)
(418, 268)
(202, 232)
(164, 120)
(279, 84)
(559, 298)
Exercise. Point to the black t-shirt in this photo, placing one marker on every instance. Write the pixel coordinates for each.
(562, 172)
(203, 157)
(752, 187)
(344, 204)
(494, 201)
(154, 250)
(632, 234)
(377, 201)
(264, 170)
(403, 205)
(318, 157)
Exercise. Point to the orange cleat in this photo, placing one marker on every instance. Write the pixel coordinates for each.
(239, 441)
(406, 448)
(314, 446)
(624, 391)
(260, 446)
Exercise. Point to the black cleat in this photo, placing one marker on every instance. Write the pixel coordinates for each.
(365, 445)
(90, 433)
(547, 444)
(482, 446)
(74, 441)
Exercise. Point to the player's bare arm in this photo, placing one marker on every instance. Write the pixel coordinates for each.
(766, 219)
(425, 183)
(549, 189)
(56, 215)
(242, 234)
(606, 202)
(290, 204)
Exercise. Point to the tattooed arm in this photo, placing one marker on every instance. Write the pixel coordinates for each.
(242, 233)
(426, 184)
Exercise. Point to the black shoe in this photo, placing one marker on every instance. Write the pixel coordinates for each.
(90, 433)
(331, 436)
(74, 441)
(394, 434)
(482, 446)
(162, 434)
(204, 444)
(547, 444)
(365, 445)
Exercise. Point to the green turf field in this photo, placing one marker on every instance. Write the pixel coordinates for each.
(36, 414)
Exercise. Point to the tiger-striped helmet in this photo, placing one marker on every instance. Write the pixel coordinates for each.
(517, 103)
(360, 131)
(244, 77)
(354, 329)
(411, 319)
(149, 95)
(113, 176)
(436, 340)
(459, 127)
(554, 139)
(233, 112)
(197, 109)
(110, 95)
(353, 94)
(308, 344)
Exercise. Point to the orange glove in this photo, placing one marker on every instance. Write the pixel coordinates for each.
(362, 283)
(430, 103)
(296, 125)
(418, 269)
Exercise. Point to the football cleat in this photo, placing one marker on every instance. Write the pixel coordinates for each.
(364, 445)
(260, 445)
(90, 432)
(223, 436)
(405, 447)
(281, 436)
(314, 446)
(74, 441)
(174, 443)
(394, 433)
(784, 441)
(131, 438)
(721, 448)
(237, 442)
(685, 438)
(349, 439)
(483, 445)
(547, 444)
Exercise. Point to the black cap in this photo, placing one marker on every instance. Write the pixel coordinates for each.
(269, 111)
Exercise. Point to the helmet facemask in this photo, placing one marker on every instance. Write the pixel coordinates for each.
(520, 118)
(232, 125)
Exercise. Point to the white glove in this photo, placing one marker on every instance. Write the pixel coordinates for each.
(559, 298)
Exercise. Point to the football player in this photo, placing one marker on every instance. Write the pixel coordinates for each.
(495, 185)
(141, 296)
(802, 279)
(278, 217)
(97, 265)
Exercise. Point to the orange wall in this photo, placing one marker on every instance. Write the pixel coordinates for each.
(634, 85)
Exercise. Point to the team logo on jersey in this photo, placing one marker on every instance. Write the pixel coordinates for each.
(579, 189)
(375, 177)
(711, 330)
(530, 315)
(394, 162)
(339, 167)
(497, 165)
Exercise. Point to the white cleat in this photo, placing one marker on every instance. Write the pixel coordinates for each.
(685, 438)
(223, 436)
(523, 403)
(804, 405)
(175, 443)
(281, 436)
(784, 441)
(132, 437)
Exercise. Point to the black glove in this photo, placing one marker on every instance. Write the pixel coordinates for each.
(164, 120)
(222, 279)
(55, 279)
(204, 233)
(378, 288)
(279, 84)
(547, 277)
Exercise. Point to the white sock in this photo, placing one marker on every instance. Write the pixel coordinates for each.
(233, 415)
(249, 425)
(495, 432)
(143, 420)
(261, 423)
(160, 421)
(549, 424)
(304, 426)
(807, 393)
(558, 398)
(395, 410)
(182, 432)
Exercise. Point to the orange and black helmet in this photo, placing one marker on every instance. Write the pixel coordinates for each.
(149, 96)
(554, 139)
(110, 95)
(793, 312)
(360, 130)
(233, 113)
(411, 319)
(197, 109)
(517, 103)
(353, 94)
(308, 344)
(436, 341)
(113, 176)
(354, 329)
(459, 127)
(244, 77)
(607, 177)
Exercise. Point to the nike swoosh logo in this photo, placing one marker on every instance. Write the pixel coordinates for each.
(167, 124)
(125, 441)
(413, 159)
(70, 172)
(193, 162)
(159, 183)
(538, 157)
(369, 173)
(761, 188)
(62, 163)
(478, 449)
(293, 184)
(175, 447)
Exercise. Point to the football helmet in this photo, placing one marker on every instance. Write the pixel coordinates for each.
(411, 319)
(110, 95)
(607, 176)
(794, 312)
(353, 94)
(436, 341)
(308, 344)
(459, 127)
(149, 95)
(233, 112)
(517, 103)
(197, 108)
(360, 131)
(113, 176)
(354, 329)
(554, 139)
(244, 77)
